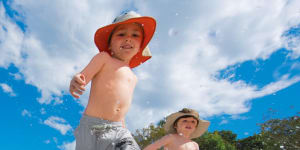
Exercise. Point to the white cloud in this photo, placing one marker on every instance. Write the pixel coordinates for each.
(68, 146)
(223, 122)
(292, 42)
(57, 101)
(17, 76)
(11, 38)
(210, 36)
(193, 41)
(58, 124)
(43, 111)
(7, 89)
(277, 86)
(26, 113)
(235, 117)
(56, 46)
(47, 141)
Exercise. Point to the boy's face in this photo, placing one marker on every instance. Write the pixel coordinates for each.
(126, 41)
(186, 125)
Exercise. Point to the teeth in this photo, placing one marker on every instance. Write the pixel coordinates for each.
(126, 46)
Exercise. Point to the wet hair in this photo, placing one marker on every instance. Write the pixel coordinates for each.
(112, 32)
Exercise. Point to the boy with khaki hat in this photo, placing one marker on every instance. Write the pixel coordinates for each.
(181, 127)
(122, 46)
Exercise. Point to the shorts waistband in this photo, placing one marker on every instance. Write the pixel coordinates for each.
(85, 119)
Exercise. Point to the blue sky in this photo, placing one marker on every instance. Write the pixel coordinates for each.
(236, 63)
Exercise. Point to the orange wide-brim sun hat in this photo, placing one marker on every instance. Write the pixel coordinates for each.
(148, 24)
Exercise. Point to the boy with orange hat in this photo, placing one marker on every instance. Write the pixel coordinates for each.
(122, 46)
(181, 127)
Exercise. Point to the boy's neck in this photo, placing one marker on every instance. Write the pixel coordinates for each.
(124, 61)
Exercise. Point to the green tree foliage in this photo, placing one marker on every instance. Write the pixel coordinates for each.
(213, 141)
(228, 136)
(281, 134)
(149, 135)
(254, 142)
(276, 134)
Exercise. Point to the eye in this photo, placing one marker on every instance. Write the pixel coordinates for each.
(193, 122)
(184, 120)
(120, 34)
(135, 35)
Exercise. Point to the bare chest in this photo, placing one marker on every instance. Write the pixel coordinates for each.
(181, 145)
(116, 73)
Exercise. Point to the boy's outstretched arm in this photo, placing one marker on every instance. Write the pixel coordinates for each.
(85, 76)
(161, 142)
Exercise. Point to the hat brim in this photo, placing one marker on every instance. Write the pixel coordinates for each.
(200, 129)
(149, 26)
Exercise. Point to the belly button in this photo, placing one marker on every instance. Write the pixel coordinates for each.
(118, 109)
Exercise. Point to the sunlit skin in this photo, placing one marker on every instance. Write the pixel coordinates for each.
(126, 41)
(179, 141)
(113, 81)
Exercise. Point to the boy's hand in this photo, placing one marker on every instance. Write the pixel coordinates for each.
(77, 85)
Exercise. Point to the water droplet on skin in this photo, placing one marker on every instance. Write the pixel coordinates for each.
(180, 134)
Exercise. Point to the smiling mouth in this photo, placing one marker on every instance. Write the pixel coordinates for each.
(188, 127)
(127, 46)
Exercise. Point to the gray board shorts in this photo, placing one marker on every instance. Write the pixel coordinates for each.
(99, 134)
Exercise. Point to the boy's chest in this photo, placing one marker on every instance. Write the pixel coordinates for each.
(116, 73)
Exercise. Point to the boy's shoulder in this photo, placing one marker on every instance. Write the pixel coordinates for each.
(102, 58)
(103, 55)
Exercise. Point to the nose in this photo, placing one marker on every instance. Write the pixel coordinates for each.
(128, 39)
(190, 122)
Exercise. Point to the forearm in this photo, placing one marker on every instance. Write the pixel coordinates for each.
(159, 143)
(151, 147)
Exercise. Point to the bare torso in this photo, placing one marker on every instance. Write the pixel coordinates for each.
(181, 143)
(111, 91)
